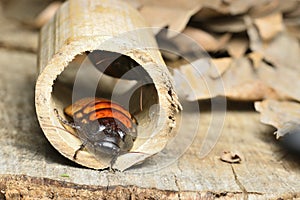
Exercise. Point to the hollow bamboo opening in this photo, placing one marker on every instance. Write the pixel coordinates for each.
(134, 91)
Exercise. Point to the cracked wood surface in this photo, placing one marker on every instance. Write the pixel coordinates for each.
(27, 159)
(30, 167)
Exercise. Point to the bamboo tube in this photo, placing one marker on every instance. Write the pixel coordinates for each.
(102, 26)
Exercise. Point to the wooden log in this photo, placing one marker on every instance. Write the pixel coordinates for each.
(31, 168)
(108, 28)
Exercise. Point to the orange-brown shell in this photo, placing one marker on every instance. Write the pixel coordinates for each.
(97, 108)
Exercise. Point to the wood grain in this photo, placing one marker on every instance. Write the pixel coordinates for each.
(31, 167)
(82, 26)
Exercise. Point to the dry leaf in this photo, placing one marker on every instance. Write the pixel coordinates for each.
(289, 7)
(233, 7)
(266, 72)
(205, 14)
(239, 81)
(242, 6)
(256, 58)
(208, 41)
(294, 30)
(285, 115)
(225, 24)
(283, 51)
(231, 157)
(269, 26)
(254, 37)
(221, 64)
(265, 9)
(291, 19)
(237, 46)
(173, 14)
(284, 54)
(215, 5)
(276, 51)
(282, 79)
(242, 83)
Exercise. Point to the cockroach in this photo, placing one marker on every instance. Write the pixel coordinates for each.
(103, 126)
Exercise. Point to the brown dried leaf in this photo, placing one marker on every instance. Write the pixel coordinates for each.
(256, 58)
(242, 83)
(294, 30)
(265, 9)
(221, 25)
(283, 115)
(205, 14)
(244, 80)
(253, 77)
(233, 7)
(282, 79)
(237, 46)
(242, 6)
(288, 7)
(239, 81)
(231, 157)
(282, 6)
(292, 22)
(277, 50)
(174, 14)
(222, 64)
(206, 40)
(191, 79)
(254, 37)
(283, 51)
(269, 26)
(215, 5)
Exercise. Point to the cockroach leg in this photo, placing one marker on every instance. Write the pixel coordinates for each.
(62, 120)
(113, 160)
(82, 146)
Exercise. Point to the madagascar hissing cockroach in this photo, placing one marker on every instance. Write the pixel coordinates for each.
(103, 126)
